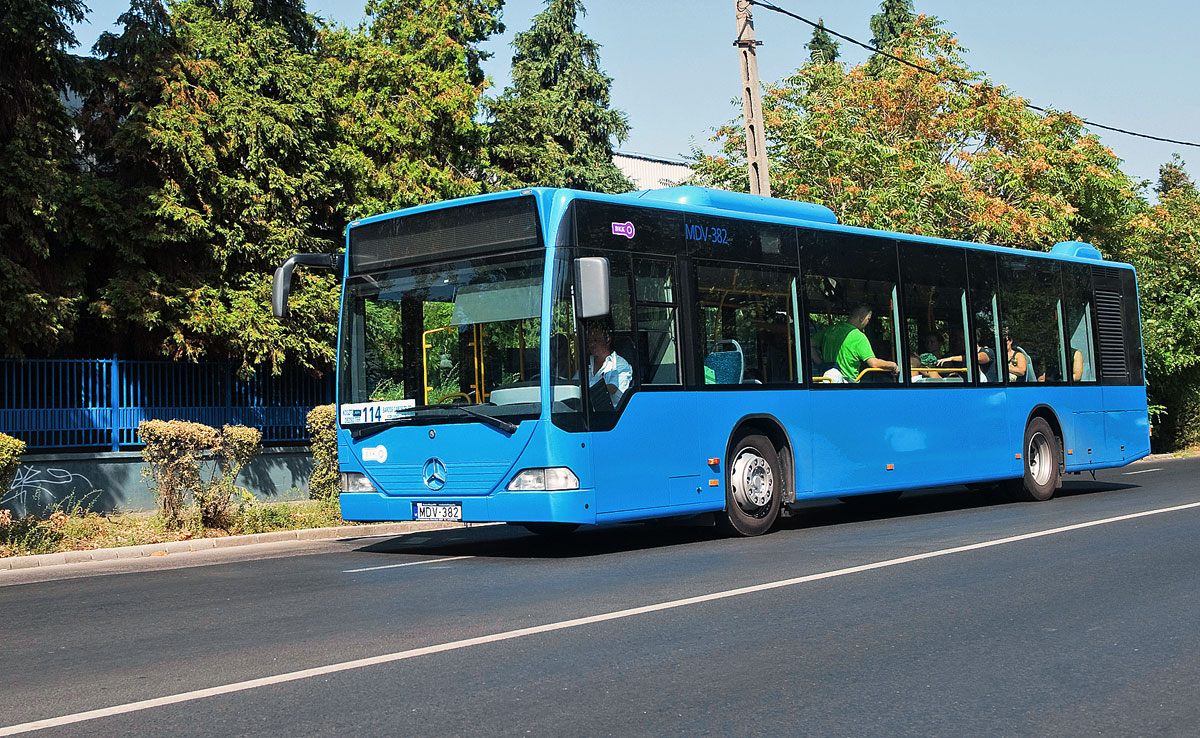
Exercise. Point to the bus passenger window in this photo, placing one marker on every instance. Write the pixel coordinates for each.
(985, 314)
(747, 324)
(936, 311)
(1031, 300)
(1077, 294)
(850, 285)
(655, 340)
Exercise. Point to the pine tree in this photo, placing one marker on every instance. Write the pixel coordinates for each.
(406, 90)
(227, 146)
(553, 126)
(41, 260)
(822, 49)
(895, 17)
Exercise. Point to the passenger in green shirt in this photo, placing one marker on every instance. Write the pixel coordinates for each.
(847, 345)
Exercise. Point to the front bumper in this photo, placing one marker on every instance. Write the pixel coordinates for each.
(567, 506)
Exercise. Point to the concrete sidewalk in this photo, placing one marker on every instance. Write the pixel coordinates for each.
(207, 544)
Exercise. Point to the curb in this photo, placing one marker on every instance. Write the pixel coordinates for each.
(12, 563)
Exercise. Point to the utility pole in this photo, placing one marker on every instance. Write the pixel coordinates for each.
(756, 140)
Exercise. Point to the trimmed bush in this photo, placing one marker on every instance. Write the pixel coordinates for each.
(10, 458)
(325, 483)
(175, 451)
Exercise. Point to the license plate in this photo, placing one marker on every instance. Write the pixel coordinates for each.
(437, 511)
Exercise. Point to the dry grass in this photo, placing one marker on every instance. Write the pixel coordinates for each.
(75, 530)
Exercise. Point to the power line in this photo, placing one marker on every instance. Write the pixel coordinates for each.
(869, 47)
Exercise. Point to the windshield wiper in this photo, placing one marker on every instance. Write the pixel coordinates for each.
(359, 432)
(504, 425)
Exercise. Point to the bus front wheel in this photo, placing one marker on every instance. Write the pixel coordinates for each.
(753, 486)
(1042, 455)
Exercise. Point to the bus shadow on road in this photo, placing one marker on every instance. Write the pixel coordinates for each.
(825, 512)
(512, 541)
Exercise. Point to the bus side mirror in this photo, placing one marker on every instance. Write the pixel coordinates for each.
(281, 284)
(591, 278)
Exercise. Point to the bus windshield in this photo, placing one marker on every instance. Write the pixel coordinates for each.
(445, 337)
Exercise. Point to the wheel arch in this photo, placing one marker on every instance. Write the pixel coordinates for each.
(768, 425)
(1047, 413)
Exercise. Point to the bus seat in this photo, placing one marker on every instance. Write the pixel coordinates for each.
(624, 347)
(726, 361)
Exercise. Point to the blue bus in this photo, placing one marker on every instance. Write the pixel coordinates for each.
(552, 358)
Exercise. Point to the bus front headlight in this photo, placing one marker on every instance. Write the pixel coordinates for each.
(355, 482)
(544, 480)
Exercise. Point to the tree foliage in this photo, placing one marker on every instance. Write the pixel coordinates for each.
(42, 263)
(946, 154)
(405, 92)
(553, 126)
(228, 143)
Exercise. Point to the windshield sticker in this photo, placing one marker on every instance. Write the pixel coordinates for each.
(623, 229)
(379, 453)
(375, 412)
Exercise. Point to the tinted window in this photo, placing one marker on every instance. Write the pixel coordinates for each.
(1031, 312)
(850, 285)
(989, 353)
(1081, 341)
(747, 328)
(935, 315)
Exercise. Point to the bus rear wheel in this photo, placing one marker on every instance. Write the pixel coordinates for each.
(753, 486)
(1043, 462)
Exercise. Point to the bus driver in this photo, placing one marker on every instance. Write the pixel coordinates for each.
(606, 365)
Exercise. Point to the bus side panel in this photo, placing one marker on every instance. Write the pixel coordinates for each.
(721, 412)
(643, 465)
(1126, 422)
(927, 437)
(1084, 440)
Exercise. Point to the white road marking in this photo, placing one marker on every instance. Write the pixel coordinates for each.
(411, 653)
(410, 563)
(1143, 471)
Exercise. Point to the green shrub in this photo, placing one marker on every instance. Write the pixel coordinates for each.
(10, 458)
(175, 451)
(325, 483)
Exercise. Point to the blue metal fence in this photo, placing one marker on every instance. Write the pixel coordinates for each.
(98, 403)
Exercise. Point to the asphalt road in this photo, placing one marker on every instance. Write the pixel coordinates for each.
(939, 616)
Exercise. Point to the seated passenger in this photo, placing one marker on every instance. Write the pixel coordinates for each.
(917, 363)
(847, 345)
(1020, 366)
(931, 345)
(605, 365)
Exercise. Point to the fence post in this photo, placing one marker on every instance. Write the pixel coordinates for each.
(115, 402)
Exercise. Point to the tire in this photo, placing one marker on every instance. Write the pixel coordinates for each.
(1042, 454)
(550, 530)
(754, 486)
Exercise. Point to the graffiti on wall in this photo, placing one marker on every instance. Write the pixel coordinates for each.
(43, 488)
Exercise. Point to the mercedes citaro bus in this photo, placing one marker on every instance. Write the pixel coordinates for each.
(764, 355)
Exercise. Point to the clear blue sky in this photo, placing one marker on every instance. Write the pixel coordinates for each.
(675, 71)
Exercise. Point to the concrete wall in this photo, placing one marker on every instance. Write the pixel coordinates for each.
(106, 482)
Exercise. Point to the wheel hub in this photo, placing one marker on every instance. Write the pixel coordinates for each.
(1040, 459)
(752, 481)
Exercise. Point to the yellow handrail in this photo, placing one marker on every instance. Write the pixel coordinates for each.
(868, 370)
